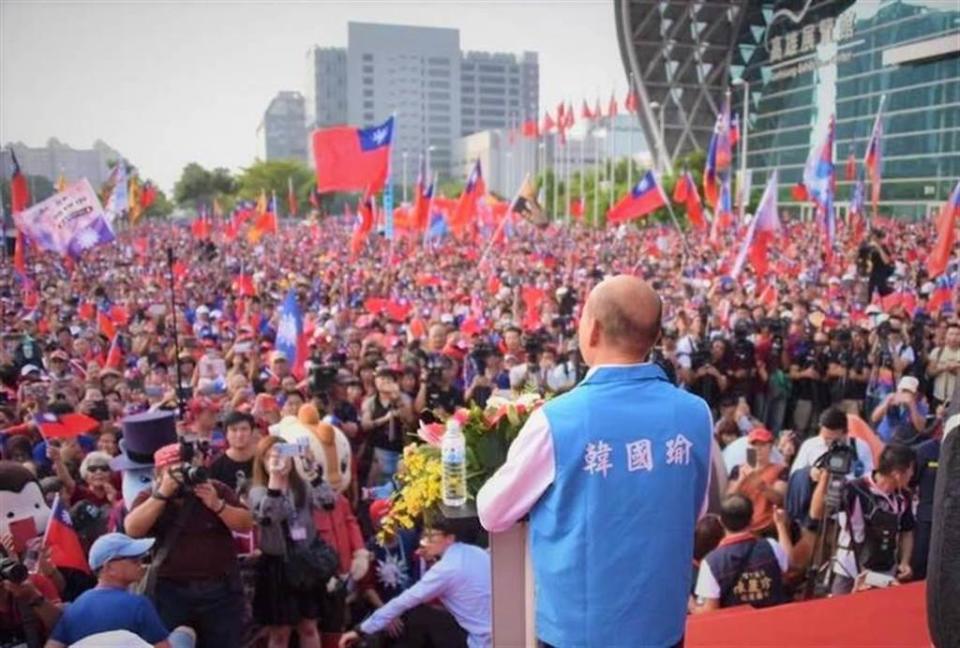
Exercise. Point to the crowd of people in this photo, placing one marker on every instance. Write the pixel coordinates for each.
(255, 484)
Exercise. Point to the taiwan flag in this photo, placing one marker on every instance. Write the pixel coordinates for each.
(763, 228)
(65, 548)
(645, 197)
(291, 340)
(353, 159)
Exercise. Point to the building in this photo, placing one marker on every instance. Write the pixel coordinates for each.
(497, 90)
(56, 159)
(504, 159)
(803, 62)
(438, 93)
(283, 132)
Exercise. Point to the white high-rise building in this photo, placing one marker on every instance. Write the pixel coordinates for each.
(438, 93)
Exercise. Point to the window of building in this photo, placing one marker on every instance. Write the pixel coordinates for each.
(368, 69)
(433, 60)
(491, 79)
(367, 57)
(368, 105)
(468, 78)
(439, 84)
(367, 92)
(487, 90)
(438, 108)
(368, 117)
(438, 95)
(367, 80)
(497, 69)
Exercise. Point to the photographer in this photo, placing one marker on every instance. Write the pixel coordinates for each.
(905, 406)
(774, 385)
(808, 368)
(291, 586)
(437, 390)
(876, 523)
(489, 375)
(743, 366)
(891, 356)
(194, 579)
(29, 601)
(710, 372)
(875, 260)
(385, 418)
(848, 370)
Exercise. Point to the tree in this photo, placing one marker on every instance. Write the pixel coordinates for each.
(198, 186)
(273, 176)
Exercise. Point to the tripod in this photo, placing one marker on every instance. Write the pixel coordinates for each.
(825, 544)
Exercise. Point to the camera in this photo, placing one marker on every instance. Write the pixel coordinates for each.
(533, 347)
(190, 475)
(322, 378)
(838, 462)
(478, 356)
(12, 570)
(435, 368)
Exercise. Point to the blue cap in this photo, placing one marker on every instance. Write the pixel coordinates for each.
(116, 545)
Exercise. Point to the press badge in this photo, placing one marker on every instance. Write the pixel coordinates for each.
(298, 533)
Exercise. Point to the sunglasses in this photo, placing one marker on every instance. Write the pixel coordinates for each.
(99, 468)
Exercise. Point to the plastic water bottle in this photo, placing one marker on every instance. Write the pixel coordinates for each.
(453, 455)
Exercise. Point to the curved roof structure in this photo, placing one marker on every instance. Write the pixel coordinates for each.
(681, 55)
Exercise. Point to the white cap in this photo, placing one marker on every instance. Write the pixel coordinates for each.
(909, 384)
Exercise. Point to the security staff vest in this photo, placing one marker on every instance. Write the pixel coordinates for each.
(747, 571)
(612, 537)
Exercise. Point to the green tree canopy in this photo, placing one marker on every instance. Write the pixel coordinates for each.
(199, 186)
(274, 176)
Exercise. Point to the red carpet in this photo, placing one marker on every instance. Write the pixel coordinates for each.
(891, 617)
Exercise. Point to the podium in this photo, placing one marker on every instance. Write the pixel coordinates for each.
(512, 602)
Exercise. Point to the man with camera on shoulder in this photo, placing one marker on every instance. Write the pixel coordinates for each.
(194, 579)
(437, 390)
(876, 523)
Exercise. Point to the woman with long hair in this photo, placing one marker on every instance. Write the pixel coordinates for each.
(282, 505)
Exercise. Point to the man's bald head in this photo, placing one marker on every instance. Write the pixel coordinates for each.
(626, 311)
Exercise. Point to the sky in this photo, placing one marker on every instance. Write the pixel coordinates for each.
(167, 83)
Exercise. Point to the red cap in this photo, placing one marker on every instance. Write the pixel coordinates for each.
(167, 455)
(379, 508)
(760, 435)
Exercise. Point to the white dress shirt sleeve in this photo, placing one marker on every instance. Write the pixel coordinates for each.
(522, 479)
(434, 583)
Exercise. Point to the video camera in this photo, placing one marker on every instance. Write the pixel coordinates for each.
(187, 473)
(838, 462)
(479, 355)
(435, 367)
(322, 378)
(12, 570)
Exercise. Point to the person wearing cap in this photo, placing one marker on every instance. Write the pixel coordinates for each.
(904, 406)
(760, 480)
(197, 582)
(744, 569)
(944, 365)
(385, 417)
(118, 562)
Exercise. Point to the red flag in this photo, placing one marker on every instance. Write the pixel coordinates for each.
(65, 426)
(86, 311)
(243, 285)
(104, 326)
(200, 228)
(148, 195)
(19, 254)
(179, 270)
(115, 354)
(850, 173)
(585, 111)
(65, 547)
(645, 197)
(946, 235)
(532, 298)
(493, 284)
(397, 311)
(364, 225)
(576, 208)
(548, 123)
(612, 106)
(799, 192)
(349, 158)
(531, 128)
(466, 209)
(569, 118)
(19, 190)
(630, 103)
(685, 192)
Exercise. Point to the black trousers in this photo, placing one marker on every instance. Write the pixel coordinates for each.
(428, 627)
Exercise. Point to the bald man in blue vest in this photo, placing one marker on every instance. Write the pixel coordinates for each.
(614, 476)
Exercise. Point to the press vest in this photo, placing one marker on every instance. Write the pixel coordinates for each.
(747, 571)
(612, 537)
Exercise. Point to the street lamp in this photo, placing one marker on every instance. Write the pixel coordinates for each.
(662, 153)
(403, 154)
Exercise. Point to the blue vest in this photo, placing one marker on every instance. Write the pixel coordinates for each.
(612, 537)
(747, 572)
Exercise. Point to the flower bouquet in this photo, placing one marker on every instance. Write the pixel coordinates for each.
(489, 431)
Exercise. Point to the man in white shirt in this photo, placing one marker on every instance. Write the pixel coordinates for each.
(833, 428)
(460, 579)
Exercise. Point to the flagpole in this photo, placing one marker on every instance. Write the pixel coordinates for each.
(630, 134)
(583, 144)
(176, 335)
(556, 184)
(596, 175)
(433, 192)
(673, 216)
(613, 156)
(496, 233)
